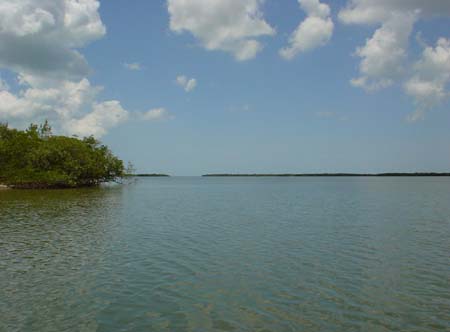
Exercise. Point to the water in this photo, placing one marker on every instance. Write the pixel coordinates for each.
(228, 254)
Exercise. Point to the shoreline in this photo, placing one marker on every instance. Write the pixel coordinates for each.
(41, 186)
(144, 175)
(333, 175)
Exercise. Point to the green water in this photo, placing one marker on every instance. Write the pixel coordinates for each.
(228, 254)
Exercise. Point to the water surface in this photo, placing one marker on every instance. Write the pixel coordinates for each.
(228, 254)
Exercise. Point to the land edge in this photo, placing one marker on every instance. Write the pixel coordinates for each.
(417, 174)
(328, 174)
(40, 186)
(147, 175)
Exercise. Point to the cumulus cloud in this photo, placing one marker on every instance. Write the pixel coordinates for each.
(376, 11)
(40, 42)
(384, 57)
(315, 31)
(72, 107)
(233, 26)
(384, 54)
(431, 76)
(157, 114)
(104, 115)
(136, 66)
(41, 37)
(187, 84)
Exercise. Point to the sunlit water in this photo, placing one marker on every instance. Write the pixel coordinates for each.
(228, 254)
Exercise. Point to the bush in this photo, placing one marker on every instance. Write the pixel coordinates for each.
(34, 158)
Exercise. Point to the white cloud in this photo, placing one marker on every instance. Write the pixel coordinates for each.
(385, 53)
(41, 37)
(431, 76)
(103, 116)
(187, 84)
(136, 66)
(157, 114)
(384, 57)
(71, 107)
(376, 11)
(40, 41)
(315, 31)
(233, 26)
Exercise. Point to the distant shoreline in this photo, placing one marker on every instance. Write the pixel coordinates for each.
(150, 175)
(329, 175)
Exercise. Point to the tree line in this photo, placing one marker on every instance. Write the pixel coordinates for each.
(35, 158)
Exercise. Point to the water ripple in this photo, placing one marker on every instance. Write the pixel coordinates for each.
(192, 254)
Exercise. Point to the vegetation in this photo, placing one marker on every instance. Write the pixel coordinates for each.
(35, 158)
(151, 175)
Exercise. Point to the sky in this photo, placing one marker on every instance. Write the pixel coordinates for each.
(188, 87)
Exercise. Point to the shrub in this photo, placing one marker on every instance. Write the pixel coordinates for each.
(35, 158)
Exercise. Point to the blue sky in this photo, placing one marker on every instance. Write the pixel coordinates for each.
(264, 113)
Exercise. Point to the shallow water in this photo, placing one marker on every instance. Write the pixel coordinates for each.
(228, 254)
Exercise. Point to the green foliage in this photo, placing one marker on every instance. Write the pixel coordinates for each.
(34, 158)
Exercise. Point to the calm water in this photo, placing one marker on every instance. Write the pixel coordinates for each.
(228, 254)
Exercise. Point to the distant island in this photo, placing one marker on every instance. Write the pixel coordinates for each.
(326, 174)
(150, 175)
(36, 159)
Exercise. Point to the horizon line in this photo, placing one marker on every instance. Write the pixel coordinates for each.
(326, 174)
